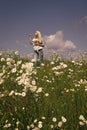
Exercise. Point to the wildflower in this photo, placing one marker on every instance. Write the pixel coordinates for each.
(54, 119)
(57, 73)
(9, 59)
(40, 124)
(46, 94)
(11, 93)
(19, 62)
(81, 81)
(0, 54)
(55, 68)
(16, 129)
(8, 63)
(52, 63)
(36, 128)
(28, 127)
(86, 89)
(33, 88)
(32, 125)
(73, 61)
(1, 81)
(60, 124)
(16, 93)
(4, 71)
(35, 120)
(63, 119)
(81, 123)
(86, 122)
(42, 64)
(81, 117)
(49, 81)
(17, 123)
(51, 126)
(63, 65)
(2, 59)
(70, 70)
(80, 64)
(1, 95)
(43, 118)
(6, 121)
(67, 90)
(23, 108)
(23, 94)
(33, 82)
(33, 60)
(21, 71)
(13, 70)
(16, 53)
(72, 89)
(1, 74)
(28, 67)
(7, 125)
(39, 90)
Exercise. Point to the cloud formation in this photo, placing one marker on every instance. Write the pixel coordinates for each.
(57, 42)
(83, 19)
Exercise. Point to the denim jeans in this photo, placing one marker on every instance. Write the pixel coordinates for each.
(38, 56)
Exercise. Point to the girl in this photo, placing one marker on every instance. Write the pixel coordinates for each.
(38, 47)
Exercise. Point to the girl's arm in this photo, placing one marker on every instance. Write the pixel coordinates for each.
(30, 39)
(41, 42)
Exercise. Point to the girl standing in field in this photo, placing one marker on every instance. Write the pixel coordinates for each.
(38, 45)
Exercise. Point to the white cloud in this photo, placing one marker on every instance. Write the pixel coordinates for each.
(69, 45)
(57, 42)
(83, 19)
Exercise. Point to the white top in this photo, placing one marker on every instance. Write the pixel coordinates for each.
(36, 47)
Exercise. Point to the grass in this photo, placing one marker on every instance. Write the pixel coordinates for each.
(52, 96)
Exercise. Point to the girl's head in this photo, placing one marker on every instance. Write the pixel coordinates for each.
(38, 35)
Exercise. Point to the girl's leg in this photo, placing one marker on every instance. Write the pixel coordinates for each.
(36, 56)
(40, 55)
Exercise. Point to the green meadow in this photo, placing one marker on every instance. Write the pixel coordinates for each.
(52, 96)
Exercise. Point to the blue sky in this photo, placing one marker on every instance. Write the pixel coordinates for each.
(64, 22)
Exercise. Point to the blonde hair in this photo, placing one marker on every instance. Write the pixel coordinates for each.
(39, 36)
